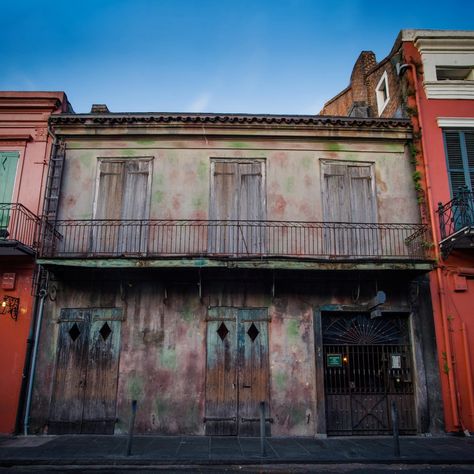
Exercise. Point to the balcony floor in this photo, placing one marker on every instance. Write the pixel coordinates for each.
(256, 263)
(13, 248)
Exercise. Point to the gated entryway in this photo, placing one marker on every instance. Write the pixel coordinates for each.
(237, 374)
(85, 383)
(368, 363)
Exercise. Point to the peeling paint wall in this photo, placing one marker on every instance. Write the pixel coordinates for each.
(163, 342)
(181, 175)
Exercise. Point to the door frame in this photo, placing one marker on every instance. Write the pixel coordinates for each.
(238, 327)
(87, 317)
(417, 361)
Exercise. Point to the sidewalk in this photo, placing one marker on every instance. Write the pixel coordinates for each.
(157, 450)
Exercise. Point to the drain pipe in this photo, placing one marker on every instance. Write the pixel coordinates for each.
(452, 383)
(39, 319)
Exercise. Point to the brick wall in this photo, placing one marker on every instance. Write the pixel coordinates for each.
(361, 92)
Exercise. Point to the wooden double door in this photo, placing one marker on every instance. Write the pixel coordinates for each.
(237, 376)
(85, 381)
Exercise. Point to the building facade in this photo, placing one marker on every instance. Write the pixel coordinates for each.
(25, 147)
(202, 264)
(429, 77)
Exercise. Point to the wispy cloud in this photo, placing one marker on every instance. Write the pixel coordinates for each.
(199, 103)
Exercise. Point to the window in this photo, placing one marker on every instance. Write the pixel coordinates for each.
(123, 194)
(459, 147)
(450, 73)
(382, 93)
(237, 194)
(349, 202)
(8, 165)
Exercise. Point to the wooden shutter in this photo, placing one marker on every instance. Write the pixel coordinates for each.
(469, 142)
(251, 208)
(135, 201)
(336, 196)
(135, 205)
(110, 193)
(362, 199)
(224, 192)
(8, 165)
(456, 170)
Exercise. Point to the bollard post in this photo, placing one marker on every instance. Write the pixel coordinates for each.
(396, 439)
(130, 428)
(262, 429)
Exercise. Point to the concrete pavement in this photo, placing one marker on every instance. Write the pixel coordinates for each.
(94, 450)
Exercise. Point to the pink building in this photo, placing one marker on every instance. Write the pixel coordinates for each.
(25, 147)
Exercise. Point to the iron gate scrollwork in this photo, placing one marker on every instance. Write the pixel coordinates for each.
(368, 364)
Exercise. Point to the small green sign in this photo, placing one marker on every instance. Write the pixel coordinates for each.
(334, 360)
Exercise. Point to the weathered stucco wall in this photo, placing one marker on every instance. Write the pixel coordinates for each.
(181, 175)
(163, 341)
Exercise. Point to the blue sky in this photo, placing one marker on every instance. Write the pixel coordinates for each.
(242, 56)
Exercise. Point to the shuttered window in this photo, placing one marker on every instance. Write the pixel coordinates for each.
(123, 189)
(348, 192)
(459, 147)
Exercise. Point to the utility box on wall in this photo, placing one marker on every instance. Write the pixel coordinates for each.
(8, 281)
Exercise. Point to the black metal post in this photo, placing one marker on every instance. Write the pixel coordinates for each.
(130, 428)
(262, 430)
(396, 438)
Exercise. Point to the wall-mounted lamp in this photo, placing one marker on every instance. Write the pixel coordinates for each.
(10, 306)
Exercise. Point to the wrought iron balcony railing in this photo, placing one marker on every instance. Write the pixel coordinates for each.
(19, 229)
(457, 213)
(456, 220)
(233, 239)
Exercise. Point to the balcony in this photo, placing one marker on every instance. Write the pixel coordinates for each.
(19, 230)
(211, 241)
(456, 220)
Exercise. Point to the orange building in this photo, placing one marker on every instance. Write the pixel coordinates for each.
(25, 147)
(429, 77)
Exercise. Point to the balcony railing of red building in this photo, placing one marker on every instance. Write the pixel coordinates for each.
(456, 221)
(19, 230)
(233, 239)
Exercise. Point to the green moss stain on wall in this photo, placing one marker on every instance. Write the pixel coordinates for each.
(187, 313)
(393, 147)
(135, 387)
(280, 380)
(239, 145)
(332, 146)
(158, 196)
(145, 141)
(161, 406)
(168, 358)
(290, 184)
(292, 330)
(202, 170)
(297, 415)
(129, 152)
(199, 203)
(307, 162)
(159, 179)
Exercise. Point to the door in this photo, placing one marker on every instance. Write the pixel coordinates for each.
(349, 203)
(85, 382)
(367, 365)
(123, 192)
(8, 165)
(237, 207)
(237, 373)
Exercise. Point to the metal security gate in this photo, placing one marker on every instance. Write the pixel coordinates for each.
(368, 364)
